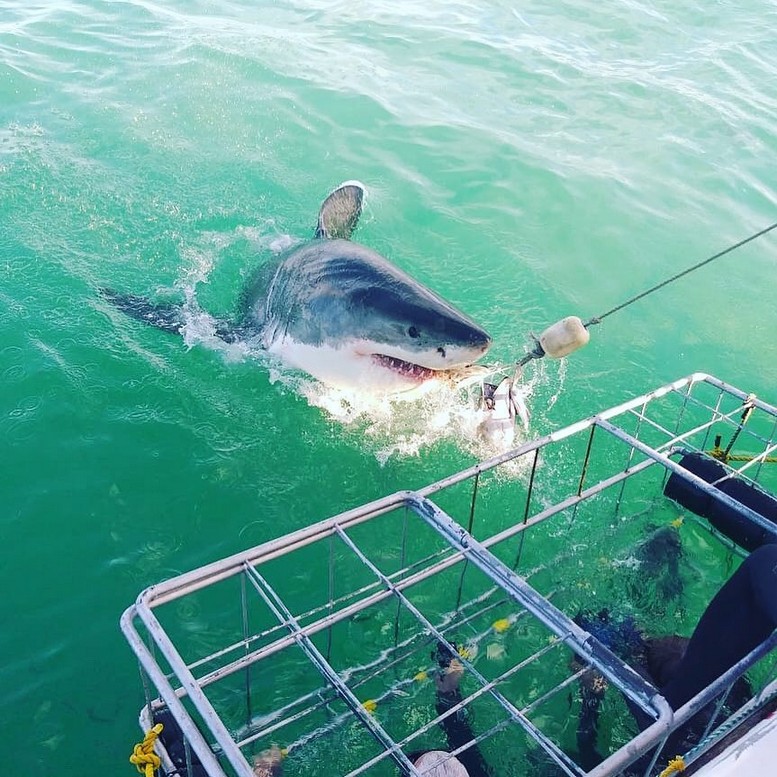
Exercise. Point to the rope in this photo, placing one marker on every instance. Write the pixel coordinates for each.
(469, 531)
(666, 282)
(748, 405)
(727, 727)
(720, 454)
(725, 455)
(143, 756)
(675, 765)
(538, 352)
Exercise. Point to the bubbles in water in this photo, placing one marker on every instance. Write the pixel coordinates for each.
(282, 243)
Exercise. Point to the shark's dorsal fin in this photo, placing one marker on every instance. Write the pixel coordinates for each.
(340, 211)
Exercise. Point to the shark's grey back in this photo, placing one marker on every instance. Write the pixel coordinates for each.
(328, 290)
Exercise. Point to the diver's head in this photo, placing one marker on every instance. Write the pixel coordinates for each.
(437, 763)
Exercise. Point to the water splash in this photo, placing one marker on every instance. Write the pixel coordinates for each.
(401, 425)
(409, 424)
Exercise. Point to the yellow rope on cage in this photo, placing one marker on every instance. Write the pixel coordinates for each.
(719, 454)
(143, 756)
(677, 764)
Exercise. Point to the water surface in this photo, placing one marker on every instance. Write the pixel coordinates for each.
(525, 162)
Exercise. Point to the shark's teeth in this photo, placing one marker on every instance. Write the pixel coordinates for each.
(408, 369)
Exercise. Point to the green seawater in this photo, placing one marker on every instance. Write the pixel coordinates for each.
(527, 161)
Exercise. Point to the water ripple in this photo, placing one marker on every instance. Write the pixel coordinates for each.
(527, 162)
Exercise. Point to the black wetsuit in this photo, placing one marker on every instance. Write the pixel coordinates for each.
(458, 732)
(740, 617)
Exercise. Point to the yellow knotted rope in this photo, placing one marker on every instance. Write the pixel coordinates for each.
(143, 756)
(677, 764)
(718, 453)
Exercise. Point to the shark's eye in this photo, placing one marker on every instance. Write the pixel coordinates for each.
(413, 332)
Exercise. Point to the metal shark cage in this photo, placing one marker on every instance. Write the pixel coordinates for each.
(322, 640)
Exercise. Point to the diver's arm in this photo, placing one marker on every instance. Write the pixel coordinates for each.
(591, 695)
(456, 726)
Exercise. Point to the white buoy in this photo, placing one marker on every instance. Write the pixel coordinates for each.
(564, 337)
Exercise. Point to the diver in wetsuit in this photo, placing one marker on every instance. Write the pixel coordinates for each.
(469, 762)
(432, 763)
(739, 618)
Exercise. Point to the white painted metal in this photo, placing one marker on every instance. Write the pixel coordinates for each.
(184, 687)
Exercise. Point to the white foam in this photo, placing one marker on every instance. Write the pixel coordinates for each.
(389, 424)
(352, 182)
(411, 423)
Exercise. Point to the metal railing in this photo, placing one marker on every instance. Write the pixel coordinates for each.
(282, 661)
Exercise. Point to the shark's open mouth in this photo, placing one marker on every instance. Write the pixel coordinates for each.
(406, 369)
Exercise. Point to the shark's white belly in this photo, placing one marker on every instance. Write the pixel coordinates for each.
(344, 367)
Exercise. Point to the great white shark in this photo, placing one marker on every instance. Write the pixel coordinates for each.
(341, 312)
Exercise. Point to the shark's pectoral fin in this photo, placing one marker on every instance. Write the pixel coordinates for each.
(340, 211)
(167, 316)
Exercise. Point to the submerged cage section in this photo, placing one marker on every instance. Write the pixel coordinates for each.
(326, 642)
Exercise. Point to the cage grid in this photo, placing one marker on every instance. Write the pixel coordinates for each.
(324, 639)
